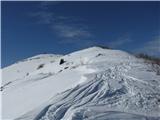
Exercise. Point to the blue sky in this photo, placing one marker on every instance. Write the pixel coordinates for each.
(31, 28)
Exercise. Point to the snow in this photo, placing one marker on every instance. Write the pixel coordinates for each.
(0, 95)
(93, 83)
(21, 68)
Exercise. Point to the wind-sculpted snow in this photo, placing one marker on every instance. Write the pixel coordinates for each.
(108, 91)
(109, 95)
(98, 84)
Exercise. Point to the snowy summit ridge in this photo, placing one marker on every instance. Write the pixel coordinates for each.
(90, 84)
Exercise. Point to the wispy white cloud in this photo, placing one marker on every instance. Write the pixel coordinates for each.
(152, 47)
(47, 4)
(122, 40)
(71, 31)
(43, 17)
(66, 27)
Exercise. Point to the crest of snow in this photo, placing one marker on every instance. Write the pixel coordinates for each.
(92, 84)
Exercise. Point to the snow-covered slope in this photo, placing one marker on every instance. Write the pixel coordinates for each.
(26, 66)
(91, 84)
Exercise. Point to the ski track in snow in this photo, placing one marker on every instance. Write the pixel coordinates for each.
(105, 89)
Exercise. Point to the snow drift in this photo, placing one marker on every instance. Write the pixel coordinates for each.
(90, 84)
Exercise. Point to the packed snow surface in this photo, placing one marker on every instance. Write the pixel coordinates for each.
(90, 84)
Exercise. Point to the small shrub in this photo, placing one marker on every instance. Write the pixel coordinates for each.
(60, 71)
(99, 55)
(52, 61)
(66, 68)
(27, 74)
(148, 58)
(103, 46)
(40, 66)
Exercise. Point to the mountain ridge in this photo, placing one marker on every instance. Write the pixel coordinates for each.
(89, 81)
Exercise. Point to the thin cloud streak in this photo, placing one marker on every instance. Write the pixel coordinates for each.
(47, 4)
(152, 47)
(125, 39)
(43, 17)
(71, 31)
(64, 26)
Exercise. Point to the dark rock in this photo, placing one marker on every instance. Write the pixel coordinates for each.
(61, 61)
